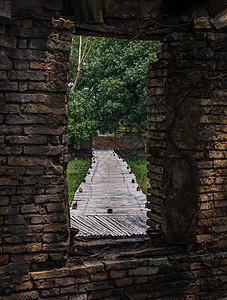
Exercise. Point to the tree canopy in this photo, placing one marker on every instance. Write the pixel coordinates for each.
(111, 86)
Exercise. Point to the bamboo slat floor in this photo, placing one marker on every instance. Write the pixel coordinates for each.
(109, 203)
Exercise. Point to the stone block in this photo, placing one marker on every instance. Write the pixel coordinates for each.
(44, 284)
(26, 295)
(29, 208)
(99, 277)
(205, 238)
(61, 23)
(14, 250)
(143, 271)
(27, 161)
(27, 285)
(29, 130)
(50, 293)
(4, 201)
(8, 42)
(19, 65)
(11, 108)
(37, 65)
(4, 259)
(123, 282)
(73, 289)
(141, 279)
(22, 43)
(26, 54)
(43, 150)
(50, 274)
(26, 75)
(25, 98)
(119, 265)
(43, 109)
(55, 207)
(65, 281)
(3, 75)
(27, 23)
(117, 274)
(33, 247)
(54, 227)
(29, 119)
(8, 86)
(96, 286)
(32, 139)
(40, 44)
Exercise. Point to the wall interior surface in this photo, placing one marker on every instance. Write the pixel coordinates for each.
(187, 140)
(186, 103)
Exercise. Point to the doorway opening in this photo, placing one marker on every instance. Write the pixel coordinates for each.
(107, 136)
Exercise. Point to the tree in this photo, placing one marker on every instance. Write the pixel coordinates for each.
(114, 80)
(78, 59)
(82, 121)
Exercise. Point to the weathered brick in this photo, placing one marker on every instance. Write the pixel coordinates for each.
(27, 23)
(26, 54)
(22, 43)
(118, 265)
(19, 65)
(117, 274)
(144, 271)
(8, 86)
(44, 284)
(54, 228)
(123, 282)
(65, 281)
(29, 208)
(24, 98)
(32, 139)
(4, 201)
(69, 290)
(27, 285)
(99, 276)
(37, 65)
(50, 274)
(43, 150)
(30, 119)
(43, 130)
(141, 279)
(26, 75)
(27, 161)
(96, 286)
(50, 292)
(3, 75)
(8, 181)
(203, 238)
(8, 42)
(11, 108)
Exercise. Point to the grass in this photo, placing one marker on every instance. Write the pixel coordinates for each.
(138, 165)
(76, 172)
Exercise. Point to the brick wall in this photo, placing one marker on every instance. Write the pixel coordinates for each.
(5, 10)
(159, 276)
(187, 154)
(33, 116)
(187, 140)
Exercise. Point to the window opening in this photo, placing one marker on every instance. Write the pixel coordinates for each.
(107, 127)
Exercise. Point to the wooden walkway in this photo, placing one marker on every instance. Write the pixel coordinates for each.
(109, 202)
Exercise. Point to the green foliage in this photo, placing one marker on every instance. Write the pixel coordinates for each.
(76, 172)
(114, 81)
(82, 114)
(138, 165)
